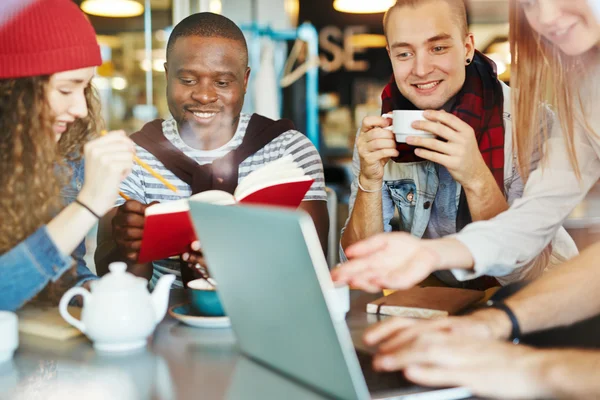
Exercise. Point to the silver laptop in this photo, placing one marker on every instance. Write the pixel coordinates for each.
(271, 275)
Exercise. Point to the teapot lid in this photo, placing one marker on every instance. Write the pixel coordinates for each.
(118, 279)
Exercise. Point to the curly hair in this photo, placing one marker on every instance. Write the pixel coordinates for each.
(33, 167)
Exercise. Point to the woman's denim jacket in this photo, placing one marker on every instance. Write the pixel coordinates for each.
(28, 267)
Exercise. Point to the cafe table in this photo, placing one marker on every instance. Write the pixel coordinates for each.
(182, 362)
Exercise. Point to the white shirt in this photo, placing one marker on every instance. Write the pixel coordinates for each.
(510, 240)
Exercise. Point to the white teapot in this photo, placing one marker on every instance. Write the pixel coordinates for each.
(119, 313)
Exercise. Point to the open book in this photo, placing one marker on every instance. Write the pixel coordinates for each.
(168, 229)
(425, 302)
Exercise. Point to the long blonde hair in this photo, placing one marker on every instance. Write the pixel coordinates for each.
(542, 74)
(33, 167)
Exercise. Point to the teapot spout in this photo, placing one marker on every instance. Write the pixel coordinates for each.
(160, 296)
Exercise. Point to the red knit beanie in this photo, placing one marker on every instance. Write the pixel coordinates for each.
(42, 37)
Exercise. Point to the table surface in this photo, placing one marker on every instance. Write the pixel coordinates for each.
(180, 362)
(183, 362)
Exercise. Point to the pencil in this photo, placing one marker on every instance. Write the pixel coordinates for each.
(123, 195)
(150, 170)
(155, 174)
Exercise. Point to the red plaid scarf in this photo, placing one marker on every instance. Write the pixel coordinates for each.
(479, 103)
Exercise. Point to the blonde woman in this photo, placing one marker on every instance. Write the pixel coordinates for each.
(48, 118)
(555, 46)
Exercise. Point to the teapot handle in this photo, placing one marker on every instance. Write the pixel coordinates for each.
(64, 303)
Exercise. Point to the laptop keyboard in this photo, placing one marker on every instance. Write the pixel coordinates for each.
(377, 381)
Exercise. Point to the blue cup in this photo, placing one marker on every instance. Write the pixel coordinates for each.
(204, 298)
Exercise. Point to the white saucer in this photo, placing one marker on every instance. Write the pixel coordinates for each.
(186, 314)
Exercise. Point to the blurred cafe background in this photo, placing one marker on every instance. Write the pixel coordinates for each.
(321, 63)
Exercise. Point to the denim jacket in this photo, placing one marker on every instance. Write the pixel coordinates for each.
(410, 188)
(28, 267)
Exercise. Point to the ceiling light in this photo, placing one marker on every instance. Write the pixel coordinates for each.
(368, 40)
(112, 8)
(215, 6)
(118, 83)
(363, 6)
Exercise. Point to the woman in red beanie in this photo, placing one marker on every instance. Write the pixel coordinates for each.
(48, 121)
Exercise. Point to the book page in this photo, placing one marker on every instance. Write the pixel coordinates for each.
(278, 171)
(168, 207)
(214, 196)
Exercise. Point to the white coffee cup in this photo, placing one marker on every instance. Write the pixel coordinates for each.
(339, 300)
(9, 335)
(401, 124)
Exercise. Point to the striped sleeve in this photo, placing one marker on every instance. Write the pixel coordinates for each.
(308, 158)
(133, 186)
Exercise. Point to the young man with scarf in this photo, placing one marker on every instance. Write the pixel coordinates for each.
(468, 172)
(208, 143)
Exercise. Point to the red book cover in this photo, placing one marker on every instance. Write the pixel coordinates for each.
(166, 235)
(287, 194)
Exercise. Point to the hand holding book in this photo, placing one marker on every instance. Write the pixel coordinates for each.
(128, 227)
(167, 229)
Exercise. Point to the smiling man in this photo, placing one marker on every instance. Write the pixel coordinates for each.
(206, 144)
(467, 173)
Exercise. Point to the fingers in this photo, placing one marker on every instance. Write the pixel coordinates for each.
(115, 139)
(375, 263)
(110, 161)
(373, 141)
(359, 273)
(431, 144)
(449, 120)
(368, 246)
(128, 230)
(378, 155)
(371, 261)
(356, 274)
(406, 334)
(435, 157)
(129, 248)
(436, 376)
(384, 330)
(425, 349)
(371, 122)
(127, 233)
(193, 257)
(366, 280)
(134, 207)
(416, 268)
(437, 129)
(124, 220)
(377, 133)
(380, 144)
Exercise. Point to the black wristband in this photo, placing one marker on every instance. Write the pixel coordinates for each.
(87, 208)
(515, 334)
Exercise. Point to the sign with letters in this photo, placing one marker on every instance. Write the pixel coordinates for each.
(342, 51)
